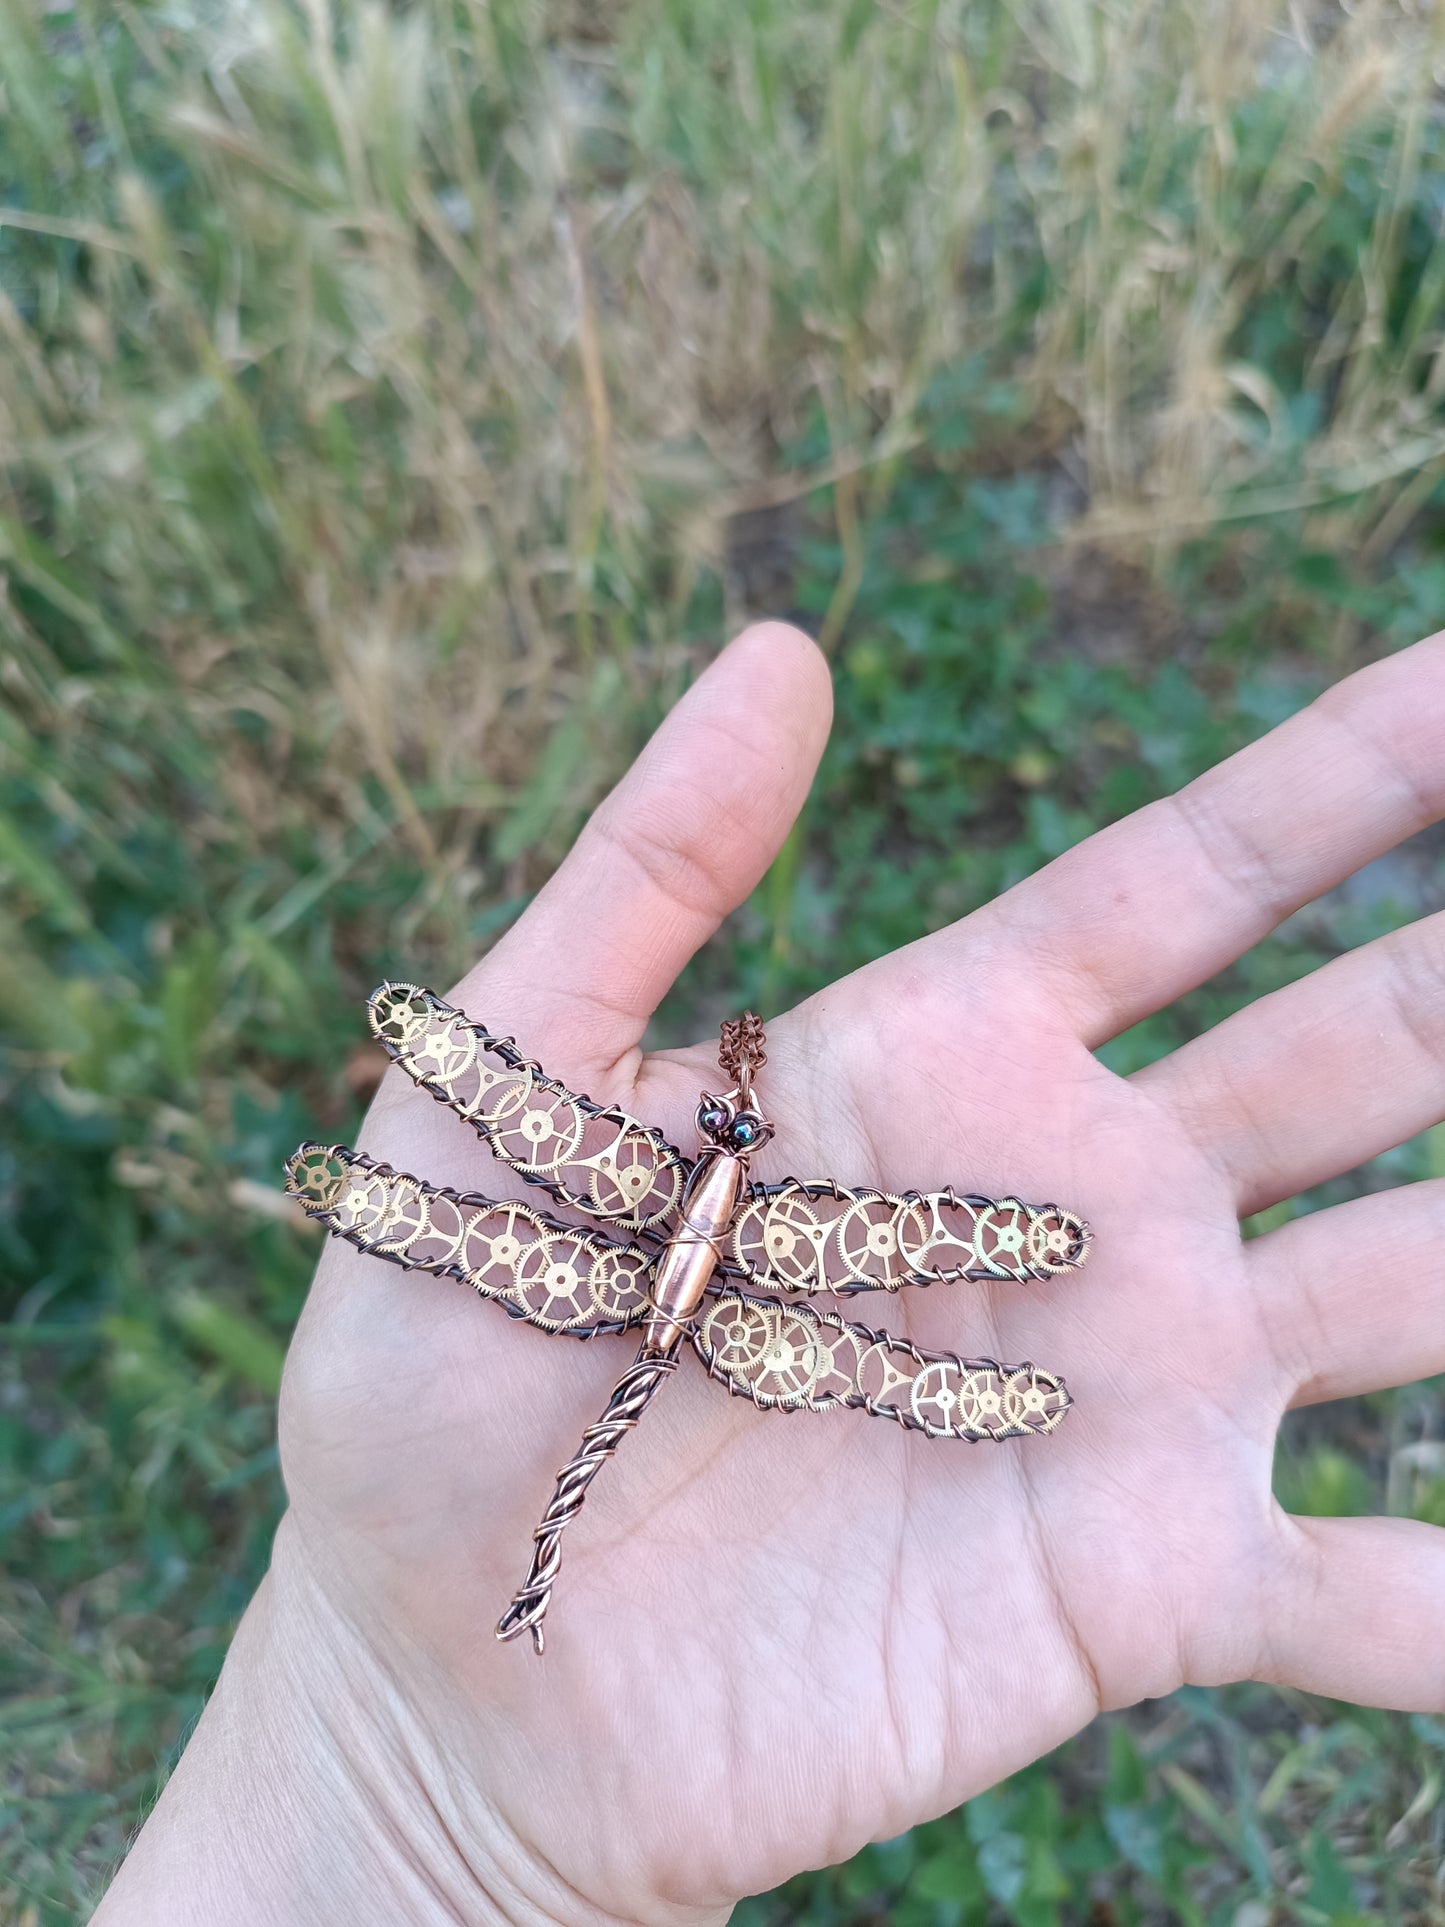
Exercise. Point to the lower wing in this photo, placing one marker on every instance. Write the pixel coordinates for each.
(801, 1238)
(797, 1357)
(551, 1275)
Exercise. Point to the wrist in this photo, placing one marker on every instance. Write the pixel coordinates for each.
(311, 1792)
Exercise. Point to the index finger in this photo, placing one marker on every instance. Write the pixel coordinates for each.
(678, 844)
(1149, 908)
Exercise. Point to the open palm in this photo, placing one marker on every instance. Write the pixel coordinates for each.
(778, 1636)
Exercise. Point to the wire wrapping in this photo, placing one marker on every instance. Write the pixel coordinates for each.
(631, 1396)
(741, 1053)
(795, 1239)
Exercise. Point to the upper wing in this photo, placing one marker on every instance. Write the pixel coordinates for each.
(822, 1236)
(595, 1157)
(793, 1356)
(552, 1275)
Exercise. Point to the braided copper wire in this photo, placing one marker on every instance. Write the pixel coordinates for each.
(631, 1396)
(740, 1052)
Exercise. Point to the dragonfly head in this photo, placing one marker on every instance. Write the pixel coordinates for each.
(732, 1126)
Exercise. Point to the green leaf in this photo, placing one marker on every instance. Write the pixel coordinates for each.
(1331, 1889)
(237, 1340)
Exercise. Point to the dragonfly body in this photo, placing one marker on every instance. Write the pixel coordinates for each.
(695, 1250)
(705, 1257)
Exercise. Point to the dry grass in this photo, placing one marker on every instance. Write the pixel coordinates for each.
(388, 369)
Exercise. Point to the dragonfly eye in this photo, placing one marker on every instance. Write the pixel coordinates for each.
(748, 1131)
(713, 1117)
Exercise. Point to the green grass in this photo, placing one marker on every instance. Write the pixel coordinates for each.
(393, 416)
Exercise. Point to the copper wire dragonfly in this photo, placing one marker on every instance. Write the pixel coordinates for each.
(708, 1259)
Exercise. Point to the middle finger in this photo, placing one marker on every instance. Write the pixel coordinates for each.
(1352, 1297)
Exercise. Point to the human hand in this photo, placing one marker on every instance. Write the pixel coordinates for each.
(778, 1637)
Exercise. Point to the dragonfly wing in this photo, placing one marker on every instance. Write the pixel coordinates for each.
(791, 1357)
(798, 1238)
(588, 1155)
(558, 1277)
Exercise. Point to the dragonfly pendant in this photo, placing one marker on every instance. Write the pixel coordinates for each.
(708, 1259)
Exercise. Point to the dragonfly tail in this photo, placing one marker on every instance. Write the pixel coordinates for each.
(631, 1396)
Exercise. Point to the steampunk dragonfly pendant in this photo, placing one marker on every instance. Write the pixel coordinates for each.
(707, 1258)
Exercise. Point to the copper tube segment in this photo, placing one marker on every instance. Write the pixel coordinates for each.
(693, 1250)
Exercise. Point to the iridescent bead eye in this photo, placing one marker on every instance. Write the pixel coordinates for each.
(745, 1132)
(712, 1117)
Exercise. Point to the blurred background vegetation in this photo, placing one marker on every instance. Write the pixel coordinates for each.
(397, 405)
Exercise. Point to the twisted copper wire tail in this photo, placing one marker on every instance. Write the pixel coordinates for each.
(631, 1396)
